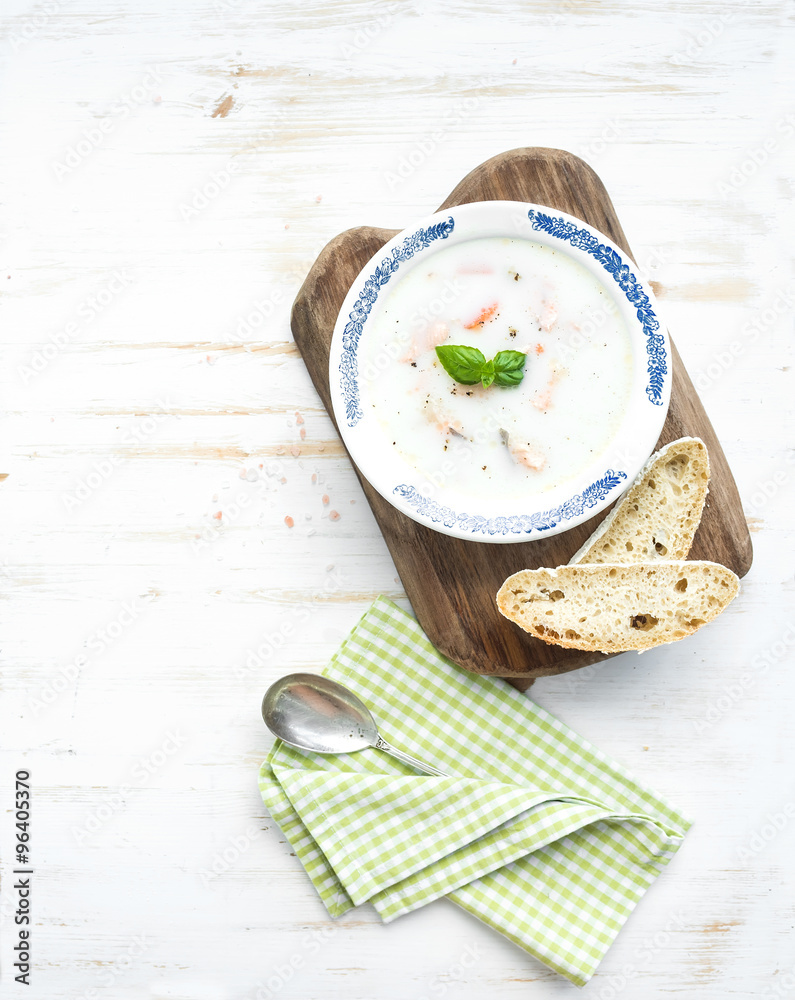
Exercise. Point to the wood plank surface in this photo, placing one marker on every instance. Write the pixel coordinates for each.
(135, 611)
(452, 582)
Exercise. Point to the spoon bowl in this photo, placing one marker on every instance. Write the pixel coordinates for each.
(311, 712)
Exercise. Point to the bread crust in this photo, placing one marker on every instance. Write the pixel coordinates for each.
(614, 608)
(660, 513)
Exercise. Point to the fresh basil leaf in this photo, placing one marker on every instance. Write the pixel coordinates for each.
(463, 364)
(509, 367)
(468, 365)
(487, 374)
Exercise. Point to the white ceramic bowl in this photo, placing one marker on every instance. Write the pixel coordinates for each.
(538, 514)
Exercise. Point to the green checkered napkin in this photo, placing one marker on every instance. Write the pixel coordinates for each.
(539, 834)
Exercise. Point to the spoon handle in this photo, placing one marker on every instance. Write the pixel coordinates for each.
(381, 744)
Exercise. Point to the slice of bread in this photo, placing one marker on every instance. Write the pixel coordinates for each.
(658, 517)
(614, 608)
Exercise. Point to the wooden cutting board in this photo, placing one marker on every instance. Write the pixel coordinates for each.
(452, 583)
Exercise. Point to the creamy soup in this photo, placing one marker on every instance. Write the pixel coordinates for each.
(497, 294)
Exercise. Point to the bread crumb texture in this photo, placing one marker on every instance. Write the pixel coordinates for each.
(612, 608)
(658, 517)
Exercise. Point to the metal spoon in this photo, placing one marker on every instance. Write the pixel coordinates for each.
(311, 712)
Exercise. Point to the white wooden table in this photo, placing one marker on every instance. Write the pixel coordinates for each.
(171, 169)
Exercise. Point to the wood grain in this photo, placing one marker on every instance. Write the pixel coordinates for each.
(328, 100)
(451, 582)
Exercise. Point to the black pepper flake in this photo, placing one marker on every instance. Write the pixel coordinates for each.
(484, 468)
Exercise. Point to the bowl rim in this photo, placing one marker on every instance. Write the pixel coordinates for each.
(582, 496)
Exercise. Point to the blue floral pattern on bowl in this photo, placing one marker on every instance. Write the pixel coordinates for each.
(515, 523)
(456, 512)
(349, 368)
(613, 264)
